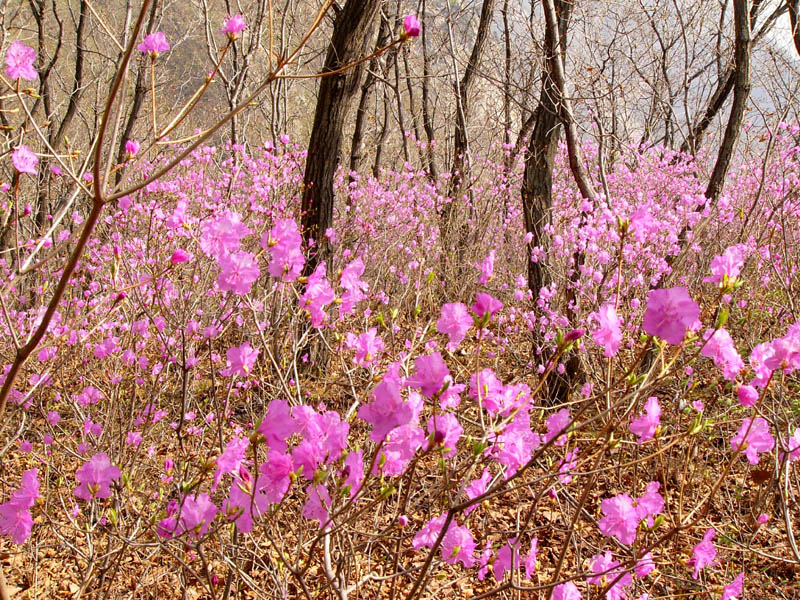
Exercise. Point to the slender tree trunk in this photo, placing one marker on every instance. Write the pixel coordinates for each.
(139, 92)
(509, 157)
(725, 85)
(794, 20)
(741, 92)
(427, 117)
(352, 33)
(537, 185)
(357, 145)
(460, 168)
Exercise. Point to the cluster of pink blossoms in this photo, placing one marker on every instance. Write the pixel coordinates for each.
(15, 515)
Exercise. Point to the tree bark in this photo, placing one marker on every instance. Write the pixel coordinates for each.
(794, 13)
(741, 92)
(725, 85)
(352, 32)
(357, 145)
(459, 172)
(538, 176)
(427, 117)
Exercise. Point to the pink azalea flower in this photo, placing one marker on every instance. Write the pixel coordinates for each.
(609, 332)
(241, 360)
(670, 313)
(24, 160)
(758, 359)
(309, 455)
(180, 256)
(486, 557)
(445, 431)
(275, 481)
(606, 570)
(620, 518)
(411, 26)
(317, 505)
(458, 545)
(389, 410)
(233, 26)
(196, 515)
(401, 445)
(735, 589)
(95, 477)
(556, 424)
(793, 444)
(317, 296)
(645, 565)
(132, 147)
(285, 243)
(239, 271)
(355, 288)
(785, 353)
(430, 374)
(486, 268)
(728, 264)
(645, 425)
(353, 471)
(477, 488)
(566, 591)
(368, 346)
(19, 62)
(758, 439)
(426, 537)
(720, 347)
(454, 321)
(567, 465)
(223, 235)
(486, 304)
(506, 560)
(231, 459)
(748, 395)
(650, 504)
(15, 516)
(277, 425)
(486, 389)
(515, 445)
(154, 44)
(703, 554)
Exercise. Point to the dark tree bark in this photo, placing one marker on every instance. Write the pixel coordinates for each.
(139, 92)
(725, 85)
(466, 86)
(794, 13)
(460, 168)
(508, 160)
(427, 117)
(357, 145)
(353, 31)
(538, 177)
(741, 92)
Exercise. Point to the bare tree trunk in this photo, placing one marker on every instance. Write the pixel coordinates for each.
(794, 12)
(139, 93)
(725, 84)
(352, 33)
(741, 92)
(427, 118)
(357, 145)
(460, 169)
(508, 159)
(538, 177)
